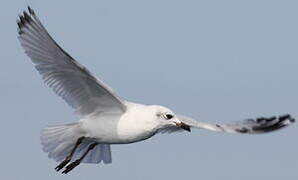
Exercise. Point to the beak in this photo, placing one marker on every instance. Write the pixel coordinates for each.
(183, 126)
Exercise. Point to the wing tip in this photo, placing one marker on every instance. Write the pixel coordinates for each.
(273, 123)
(31, 11)
(287, 117)
(24, 19)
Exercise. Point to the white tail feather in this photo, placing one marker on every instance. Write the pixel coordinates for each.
(59, 140)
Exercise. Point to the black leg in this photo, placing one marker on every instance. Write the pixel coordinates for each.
(68, 158)
(74, 164)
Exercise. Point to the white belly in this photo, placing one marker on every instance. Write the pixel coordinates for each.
(116, 129)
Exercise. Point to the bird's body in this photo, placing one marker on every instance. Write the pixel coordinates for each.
(105, 118)
(113, 128)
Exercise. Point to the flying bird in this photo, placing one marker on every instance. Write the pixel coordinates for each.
(105, 118)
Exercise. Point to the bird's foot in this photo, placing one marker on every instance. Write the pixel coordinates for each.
(71, 166)
(62, 164)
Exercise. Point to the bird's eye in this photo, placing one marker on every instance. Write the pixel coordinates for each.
(168, 116)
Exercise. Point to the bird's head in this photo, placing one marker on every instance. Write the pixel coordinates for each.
(164, 117)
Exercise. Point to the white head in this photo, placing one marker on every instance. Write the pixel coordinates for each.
(164, 118)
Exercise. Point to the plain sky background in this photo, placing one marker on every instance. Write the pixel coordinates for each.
(217, 61)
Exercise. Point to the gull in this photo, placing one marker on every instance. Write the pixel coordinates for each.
(105, 118)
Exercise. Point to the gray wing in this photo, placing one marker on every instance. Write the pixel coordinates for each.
(70, 80)
(249, 126)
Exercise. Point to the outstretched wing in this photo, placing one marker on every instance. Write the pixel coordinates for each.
(70, 80)
(249, 126)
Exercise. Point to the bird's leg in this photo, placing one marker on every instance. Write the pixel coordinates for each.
(78, 161)
(68, 158)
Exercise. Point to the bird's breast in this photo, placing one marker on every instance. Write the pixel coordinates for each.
(132, 130)
(135, 125)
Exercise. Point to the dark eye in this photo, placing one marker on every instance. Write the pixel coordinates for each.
(168, 116)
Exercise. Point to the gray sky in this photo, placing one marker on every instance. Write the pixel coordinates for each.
(217, 61)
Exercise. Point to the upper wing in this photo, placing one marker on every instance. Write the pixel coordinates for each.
(250, 126)
(70, 80)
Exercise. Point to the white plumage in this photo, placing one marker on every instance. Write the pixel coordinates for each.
(105, 118)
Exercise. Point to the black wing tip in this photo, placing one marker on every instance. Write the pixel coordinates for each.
(272, 123)
(264, 125)
(24, 19)
(287, 117)
(31, 11)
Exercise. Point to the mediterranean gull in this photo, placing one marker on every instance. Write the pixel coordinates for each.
(105, 118)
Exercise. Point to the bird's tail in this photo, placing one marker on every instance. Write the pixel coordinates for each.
(59, 140)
